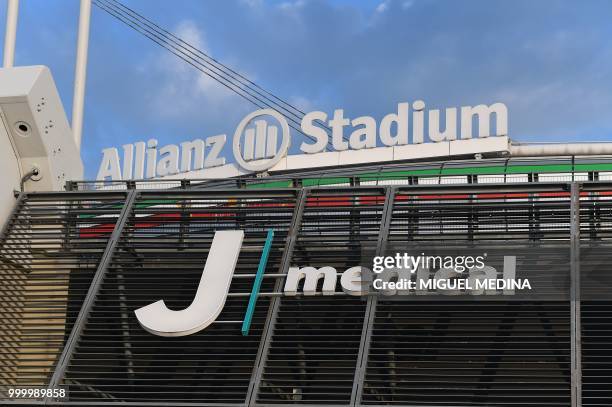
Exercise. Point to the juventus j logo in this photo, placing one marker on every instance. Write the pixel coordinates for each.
(210, 297)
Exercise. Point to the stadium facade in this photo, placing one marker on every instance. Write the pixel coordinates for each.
(77, 264)
(80, 261)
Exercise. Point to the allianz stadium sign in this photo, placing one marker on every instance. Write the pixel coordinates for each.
(262, 139)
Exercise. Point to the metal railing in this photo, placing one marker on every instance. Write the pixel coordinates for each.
(75, 265)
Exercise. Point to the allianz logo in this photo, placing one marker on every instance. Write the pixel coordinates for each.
(219, 268)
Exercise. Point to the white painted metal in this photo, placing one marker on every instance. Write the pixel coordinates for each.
(560, 149)
(210, 297)
(80, 73)
(492, 145)
(34, 133)
(424, 150)
(478, 146)
(379, 154)
(10, 35)
(10, 170)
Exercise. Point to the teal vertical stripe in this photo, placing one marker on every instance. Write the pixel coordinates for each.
(248, 317)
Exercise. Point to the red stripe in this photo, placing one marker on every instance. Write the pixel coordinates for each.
(372, 200)
(329, 201)
(499, 196)
(97, 231)
(553, 194)
(272, 205)
(102, 229)
(462, 196)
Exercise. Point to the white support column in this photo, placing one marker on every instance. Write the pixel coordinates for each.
(80, 72)
(10, 35)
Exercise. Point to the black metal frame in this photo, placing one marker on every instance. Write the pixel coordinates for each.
(93, 291)
(130, 197)
(576, 349)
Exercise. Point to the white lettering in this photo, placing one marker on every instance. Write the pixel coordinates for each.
(484, 120)
(337, 125)
(318, 133)
(110, 165)
(141, 160)
(197, 148)
(216, 144)
(418, 122)
(128, 160)
(450, 132)
(151, 158)
(364, 137)
(168, 160)
(311, 276)
(401, 121)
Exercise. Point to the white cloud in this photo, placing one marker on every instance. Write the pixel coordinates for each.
(382, 7)
(183, 91)
(386, 4)
(292, 5)
(305, 105)
(188, 31)
(252, 3)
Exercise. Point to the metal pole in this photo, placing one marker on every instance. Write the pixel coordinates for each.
(80, 72)
(576, 342)
(10, 35)
(96, 283)
(372, 301)
(268, 331)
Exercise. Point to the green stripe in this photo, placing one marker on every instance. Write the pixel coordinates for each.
(525, 169)
(140, 205)
(594, 167)
(390, 175)
(275, 184)
(312, 182)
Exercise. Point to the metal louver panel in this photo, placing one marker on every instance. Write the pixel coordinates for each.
(455, 353)
(497, 351)
(315, 341)
(596, 319)
(309, 350)
(47, 261)
(596, 297)
(161, 255)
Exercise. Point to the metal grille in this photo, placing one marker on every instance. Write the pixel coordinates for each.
(481, 215)
(315, 341)
(465, 351)
(460, 353)
(160, 255)
(596, 353)
(596, 297)
(47, 261)
(418, 351)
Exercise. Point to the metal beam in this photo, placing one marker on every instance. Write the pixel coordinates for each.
(499, 187)
(80, 72)
(268, 330)
(370, 313)
(9, 219)
(576, 342)
(96, 283)
(10, 35)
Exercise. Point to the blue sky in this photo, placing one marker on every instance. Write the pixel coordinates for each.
(550, 61)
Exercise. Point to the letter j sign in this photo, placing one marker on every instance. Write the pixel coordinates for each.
(210, 297)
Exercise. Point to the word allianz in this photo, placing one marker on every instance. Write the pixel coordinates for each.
(411, 123)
